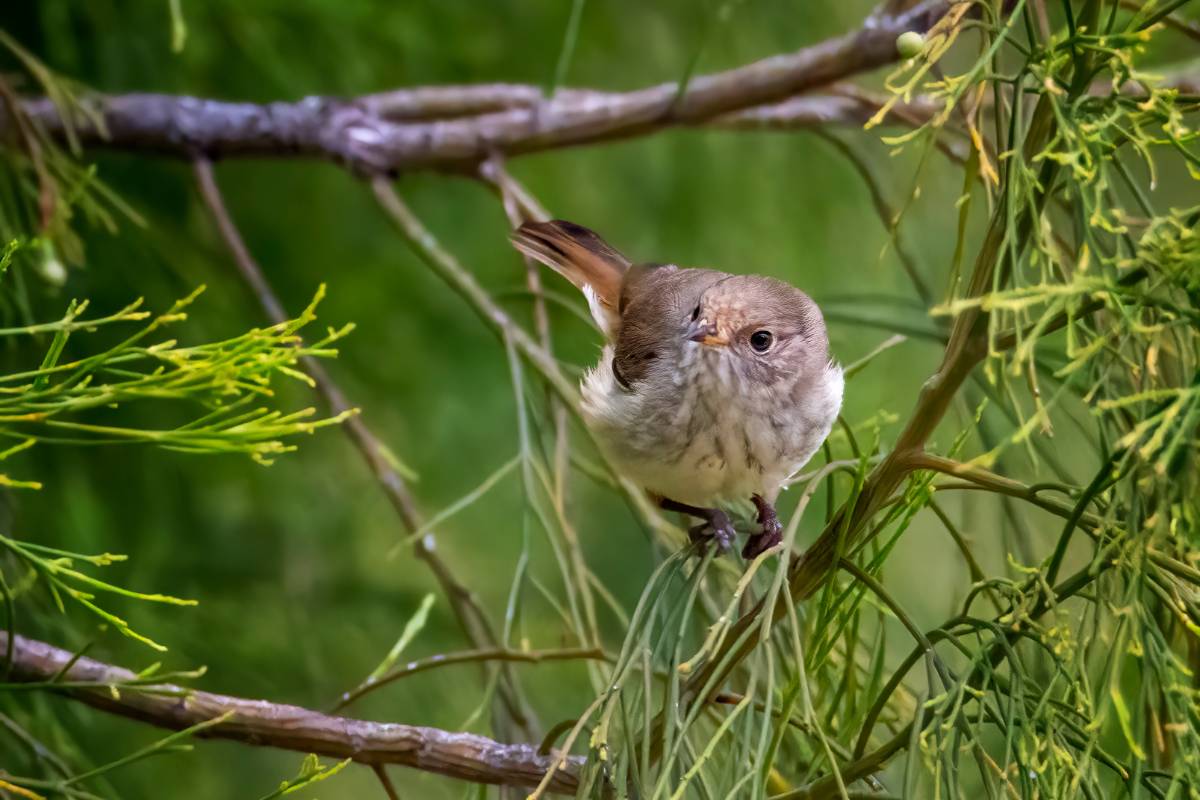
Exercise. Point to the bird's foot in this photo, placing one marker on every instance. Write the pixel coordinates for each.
(770, 531)
(718, 528)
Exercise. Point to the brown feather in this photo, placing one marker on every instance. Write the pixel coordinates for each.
(684, 401)
(655, 302)
(583, 258)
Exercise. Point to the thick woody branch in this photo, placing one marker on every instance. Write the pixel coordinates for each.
(839, 104)
(463, 756)
(389, 132)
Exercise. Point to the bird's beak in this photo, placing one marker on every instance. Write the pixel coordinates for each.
(705, 332)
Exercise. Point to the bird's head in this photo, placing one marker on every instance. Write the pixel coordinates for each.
(761, 328)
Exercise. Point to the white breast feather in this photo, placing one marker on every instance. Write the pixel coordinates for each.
(644, 435)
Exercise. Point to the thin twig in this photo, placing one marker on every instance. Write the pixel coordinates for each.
(1187, 27)
(520, 206)
(960, 541)
(470, 615)
(876, 588)
(385, 781)
(468, 657)
(38, 750)
(986, 480)
(887, 214)
(447, 267)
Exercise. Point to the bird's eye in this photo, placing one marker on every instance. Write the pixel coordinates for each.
(761, 341)
(695, 313)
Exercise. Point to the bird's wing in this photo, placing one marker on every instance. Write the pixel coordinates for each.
(655, 302)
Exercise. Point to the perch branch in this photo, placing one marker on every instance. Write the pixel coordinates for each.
(977, 477)
(389, 132)
(463, 756)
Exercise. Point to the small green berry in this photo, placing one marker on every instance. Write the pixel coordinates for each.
(910, 44)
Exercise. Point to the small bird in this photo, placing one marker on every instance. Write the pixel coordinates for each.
(712, 388)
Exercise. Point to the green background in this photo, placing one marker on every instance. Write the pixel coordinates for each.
(297, 598)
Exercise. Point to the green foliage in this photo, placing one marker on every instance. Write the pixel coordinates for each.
(225, 381)
(1068, 263)
(46, 188)
(221, 395)
(56, 569)
(1041, 685)
(411, 629)
(311, 771)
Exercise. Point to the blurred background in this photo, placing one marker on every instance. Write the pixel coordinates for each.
(298, 600)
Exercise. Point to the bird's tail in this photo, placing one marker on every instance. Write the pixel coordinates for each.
(583, 258)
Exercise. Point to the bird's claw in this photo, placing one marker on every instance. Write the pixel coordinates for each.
(770, 535)
(718, 528)
(770, 531)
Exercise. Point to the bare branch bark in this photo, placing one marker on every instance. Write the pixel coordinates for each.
(839, 104)
(464, 756)
(386, 132)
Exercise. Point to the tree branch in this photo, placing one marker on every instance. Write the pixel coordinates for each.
(463, 756)
(385, 781)
(389, 132)
(977, 477)
(469, 657)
